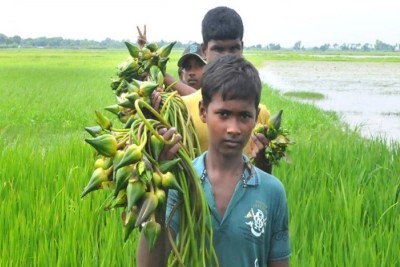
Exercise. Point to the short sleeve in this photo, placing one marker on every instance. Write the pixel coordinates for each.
(280, 242)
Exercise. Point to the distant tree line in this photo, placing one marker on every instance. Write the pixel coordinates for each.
(59, 42)
(378, 46)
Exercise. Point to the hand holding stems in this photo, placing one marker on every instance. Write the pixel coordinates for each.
(156, 100)
(272, 140)
(258, 152)
(169, 151)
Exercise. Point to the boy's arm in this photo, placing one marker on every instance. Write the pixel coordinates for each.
(158, 257)
(183, 89)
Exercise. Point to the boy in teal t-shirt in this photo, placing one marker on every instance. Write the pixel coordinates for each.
(248, 206)
(254, 227)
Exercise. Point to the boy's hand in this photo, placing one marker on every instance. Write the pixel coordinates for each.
(169, 152)
(156, 100)
(141, 40)
(258, 152)
(260, 142)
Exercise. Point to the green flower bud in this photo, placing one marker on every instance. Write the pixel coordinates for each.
(103, 121)
(132, 155)
(151, 232)
(105, 144)
(134, 192)
(99, 176)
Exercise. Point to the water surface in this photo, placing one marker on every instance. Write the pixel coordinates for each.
(365, 95)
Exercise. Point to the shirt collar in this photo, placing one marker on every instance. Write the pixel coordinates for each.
(249, 178)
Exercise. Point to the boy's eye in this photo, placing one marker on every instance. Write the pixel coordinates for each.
(246, 116)
(218, 49)
(234, 49)
(223, 114)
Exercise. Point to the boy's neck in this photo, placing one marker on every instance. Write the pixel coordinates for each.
(215, 161)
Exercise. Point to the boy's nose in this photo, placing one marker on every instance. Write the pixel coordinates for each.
(233, 127)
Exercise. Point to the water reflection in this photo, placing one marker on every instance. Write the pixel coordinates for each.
(365, 95)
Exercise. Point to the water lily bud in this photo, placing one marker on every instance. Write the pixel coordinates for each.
(134, 192)
(149, 205)
(275, 121)
(161, 197)
(115, 109)
(169, 181)
(165, 50)
(129, 219)
(151, 231)
(105, 144)
(147, 88)
(94, 130)
(132, 155)
(122, 177)
(103, 121)
(99, 176)
(168, 165)
(156, 146)
(157, 179)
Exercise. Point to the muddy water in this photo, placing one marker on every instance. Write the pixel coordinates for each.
(365, 95)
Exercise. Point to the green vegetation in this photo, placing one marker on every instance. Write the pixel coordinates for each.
(305, 95)
(342, 189)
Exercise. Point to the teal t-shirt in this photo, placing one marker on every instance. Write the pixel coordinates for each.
(254, 228)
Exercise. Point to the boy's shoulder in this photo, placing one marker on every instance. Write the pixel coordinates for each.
(264, 115)
(192, 97)
(268, 181)
(198, 163)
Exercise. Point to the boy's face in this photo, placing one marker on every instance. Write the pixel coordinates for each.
(217, 48)
(192, 72)
(230, 124)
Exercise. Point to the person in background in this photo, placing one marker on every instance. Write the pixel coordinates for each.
(190, 66)
(222, 32)
(248, 206)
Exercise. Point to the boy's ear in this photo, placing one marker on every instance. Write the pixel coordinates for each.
(202, 112)
(204, 50)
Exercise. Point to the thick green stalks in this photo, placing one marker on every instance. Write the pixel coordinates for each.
(167, 100)
(138, 104)
(190, 223)
(188, 239)
(193, 246)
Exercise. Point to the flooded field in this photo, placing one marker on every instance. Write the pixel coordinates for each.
(364, 95)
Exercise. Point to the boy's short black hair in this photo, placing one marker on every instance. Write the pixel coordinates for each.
(222, 23)
(233, 77)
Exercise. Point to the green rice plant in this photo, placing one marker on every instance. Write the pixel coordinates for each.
(343, 190)
(305, 95)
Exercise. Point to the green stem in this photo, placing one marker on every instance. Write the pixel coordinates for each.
(139, 103)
